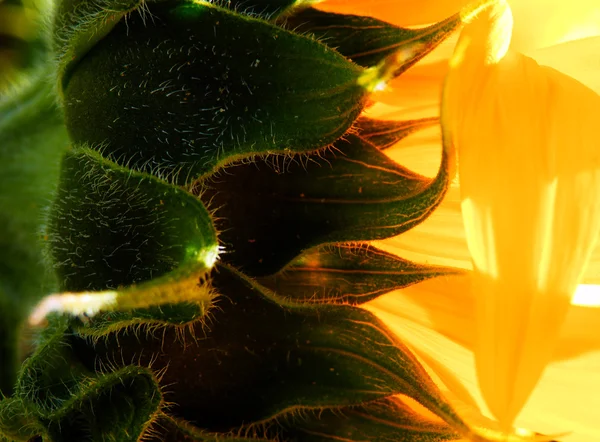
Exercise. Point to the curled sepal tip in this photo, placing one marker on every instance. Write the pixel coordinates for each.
(111, 228)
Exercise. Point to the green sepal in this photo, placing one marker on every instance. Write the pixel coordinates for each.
(386, 133)
(77, 25)
(347, 274)
(60, 399)
(182, 95)
(118, 406)
(368, 41)
(18, 423)
(32, 139)
(389, 419)
(53, 373)
(267, 9)
(269, 215)
(261, 357)
(110, 227)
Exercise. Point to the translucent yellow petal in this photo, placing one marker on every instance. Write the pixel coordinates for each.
(454, 364)
(529, 172)
(400, 12)
(420, 85)
(579, 59)
(440, 239)
(541, 23)
(566, 400)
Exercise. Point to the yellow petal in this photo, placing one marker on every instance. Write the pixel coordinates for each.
(447, 305)
(440, 239)
(541, 23)
(399, 12)
(529, 172)
(566, 400)
(579, 59)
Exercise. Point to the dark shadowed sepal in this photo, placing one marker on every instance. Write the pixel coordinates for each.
(259, 357)
(181, 94)
(268, 215)
(110, 227)
(347, 274)
(386, 133)
(368, 41)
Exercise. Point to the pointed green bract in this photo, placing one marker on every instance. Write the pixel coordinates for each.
(347, 274)
(182, 95)
(350, 193)
(390, 419)
(386, 133)
(110, 227)
(368, 41)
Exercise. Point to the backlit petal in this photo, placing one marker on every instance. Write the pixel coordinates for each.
(541, 23)
(399, 12)
(529, 168)
(566, 400)
(579, 59)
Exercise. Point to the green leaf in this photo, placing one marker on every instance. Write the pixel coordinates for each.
(182, 95)
(389, 419)
(32, 139)
(347, 274)
(110, 227)
(267, 215)
(386, 133)
(261, 357)
(368, 41)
